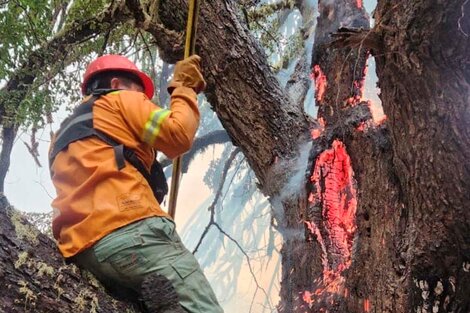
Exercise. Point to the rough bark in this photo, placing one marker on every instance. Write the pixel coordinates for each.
(424, 72)
(244, 93)
(35, 277)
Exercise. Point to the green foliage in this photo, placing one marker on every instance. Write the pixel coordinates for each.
(26, 26)
(266, 22)
(83, 9)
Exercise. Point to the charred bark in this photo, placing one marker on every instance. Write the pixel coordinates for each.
(410, 251)
(424, 74)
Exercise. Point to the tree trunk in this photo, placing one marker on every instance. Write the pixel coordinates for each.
(424, 72)
(35, 277)
(410, 251)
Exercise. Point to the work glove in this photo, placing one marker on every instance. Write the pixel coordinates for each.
(187, 73)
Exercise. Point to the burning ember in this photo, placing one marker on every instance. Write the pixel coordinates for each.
(358, 85)
(320, 82)
(335, 193)
(307, 297)
(316, 132)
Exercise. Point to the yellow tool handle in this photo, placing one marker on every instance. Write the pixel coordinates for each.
(189, 49)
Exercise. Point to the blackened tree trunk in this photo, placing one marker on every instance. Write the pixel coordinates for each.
(424, 72)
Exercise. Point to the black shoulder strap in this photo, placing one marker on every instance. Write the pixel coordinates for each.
(80, 126)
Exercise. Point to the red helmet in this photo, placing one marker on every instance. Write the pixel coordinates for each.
(113, 62)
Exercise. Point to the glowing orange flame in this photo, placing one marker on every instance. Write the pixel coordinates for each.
(335, 193)
(366, 305)
(307, 297)
(316, 133)
(361, 127)
(320, 82)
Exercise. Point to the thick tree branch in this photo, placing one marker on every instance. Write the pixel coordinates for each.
(170, 43)
(37, 277)
(241, 87)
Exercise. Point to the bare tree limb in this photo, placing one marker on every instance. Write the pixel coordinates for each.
(212, 222)
(33, 147)
(170, 43)
(199, 145)
(211, 208)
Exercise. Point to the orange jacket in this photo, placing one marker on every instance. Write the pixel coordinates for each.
(93, 197)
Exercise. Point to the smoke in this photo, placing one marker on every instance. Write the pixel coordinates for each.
(296, 183)
(294, 173)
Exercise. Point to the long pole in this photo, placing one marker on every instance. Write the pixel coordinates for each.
(189, 49)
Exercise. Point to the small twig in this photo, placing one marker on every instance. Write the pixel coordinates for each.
(355, 37)
(462, 8)
(30, 21)
(149, 50)
(258, 286)
(44, 189)
(105, 42)
(217, 196)
(131, 44)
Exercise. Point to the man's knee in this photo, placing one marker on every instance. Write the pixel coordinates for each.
(159, 295)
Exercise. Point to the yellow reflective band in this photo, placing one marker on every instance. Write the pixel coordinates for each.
(153, 125)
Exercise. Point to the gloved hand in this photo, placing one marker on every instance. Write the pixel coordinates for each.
(187, 73)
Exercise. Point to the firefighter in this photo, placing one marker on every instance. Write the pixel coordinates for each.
(107, 217)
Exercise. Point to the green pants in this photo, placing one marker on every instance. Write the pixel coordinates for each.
(122, 259)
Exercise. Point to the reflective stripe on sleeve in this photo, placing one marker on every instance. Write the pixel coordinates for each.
(153, 125)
